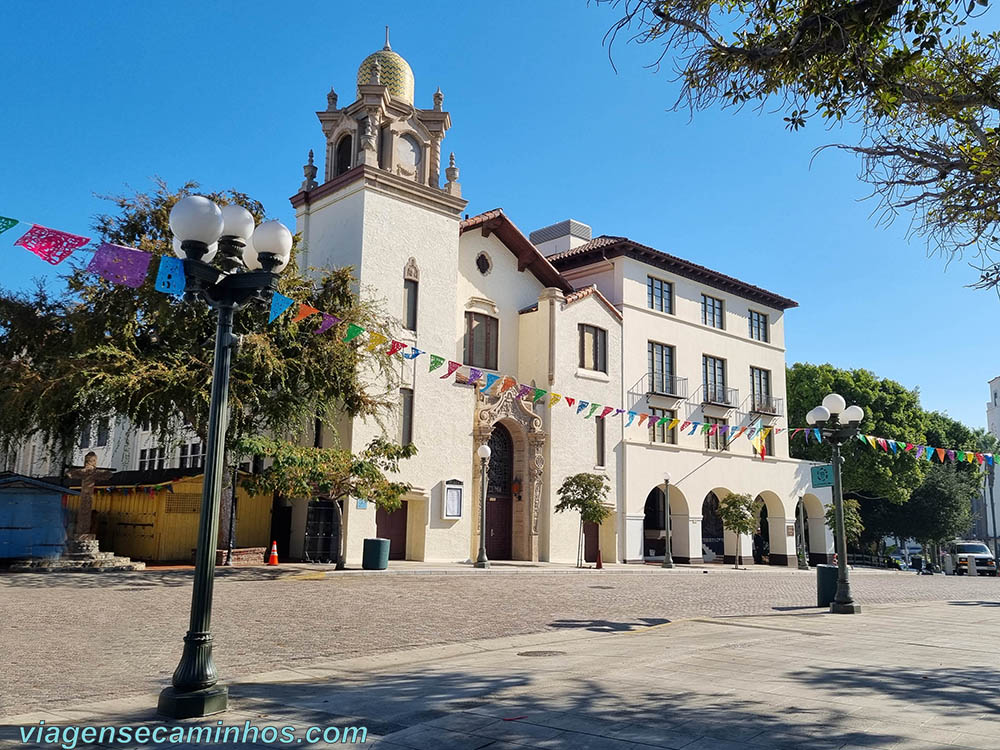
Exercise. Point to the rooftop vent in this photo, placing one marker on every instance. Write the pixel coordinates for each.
(557, 238)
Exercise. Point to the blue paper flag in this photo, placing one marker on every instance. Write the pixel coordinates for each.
(413, 353)
(583, 405)
(170, 276)
(631, 416)
(279, 303)
(490, 380)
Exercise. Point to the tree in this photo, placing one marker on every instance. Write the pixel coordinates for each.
(922, 86)
(853, 525)
(940, 509)
(890, 410)
(94, 349)
(585, 493)
(739, 514)
(335, 474)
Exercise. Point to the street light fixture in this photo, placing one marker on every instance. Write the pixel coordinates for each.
(668, 560)
(201, 229)
(484, 456)
(838, 423)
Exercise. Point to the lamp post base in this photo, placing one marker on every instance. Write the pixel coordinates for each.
(845, 609)
(193, 704)
(482, 564)
(667, 564)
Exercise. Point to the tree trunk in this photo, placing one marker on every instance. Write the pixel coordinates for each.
(579, 545)
(338, 513)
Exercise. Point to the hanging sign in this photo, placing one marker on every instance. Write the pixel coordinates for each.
(822, 476)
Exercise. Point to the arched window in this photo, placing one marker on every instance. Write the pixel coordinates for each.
(411, 282)
(344, 155)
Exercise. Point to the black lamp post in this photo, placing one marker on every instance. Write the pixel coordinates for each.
(483, 452)
(201, 229)
(668, 559)
(838, 423)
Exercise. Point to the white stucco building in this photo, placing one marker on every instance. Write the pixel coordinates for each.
(607, 320)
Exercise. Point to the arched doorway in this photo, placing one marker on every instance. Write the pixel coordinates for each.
(818, 538)
(713, 540)
(654, 524)
(499, 495)
(343, 155)
(762, 537)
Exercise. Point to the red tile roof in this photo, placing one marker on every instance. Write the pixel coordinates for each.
(607, 246)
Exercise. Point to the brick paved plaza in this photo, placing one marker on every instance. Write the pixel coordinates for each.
(80, 637)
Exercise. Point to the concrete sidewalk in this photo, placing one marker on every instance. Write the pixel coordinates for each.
(900, 677)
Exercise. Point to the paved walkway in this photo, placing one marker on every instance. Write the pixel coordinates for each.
(898, 677)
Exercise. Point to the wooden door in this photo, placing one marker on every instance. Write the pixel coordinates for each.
(590, 532)
(392, 526)
(499, 495)
(499, 513)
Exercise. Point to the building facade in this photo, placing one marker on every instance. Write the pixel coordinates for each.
(607, 318)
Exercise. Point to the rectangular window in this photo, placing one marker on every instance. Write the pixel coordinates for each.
(758, 326)
(593, 348)
(711, 311)
(718, 441)
(410, 304)
(183, 461)
(713, 375)
(103, 432)
(480, 341)
(659, 295)
(406, 417)
(85, 435)
(760, 390)
(660, 361)
(658, 433)
(151, 458)
(600, 442)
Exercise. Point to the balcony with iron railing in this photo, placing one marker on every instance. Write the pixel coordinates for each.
(664, 384)
(719, 395)
(766, 405)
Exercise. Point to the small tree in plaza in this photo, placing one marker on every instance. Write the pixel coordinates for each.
(739, 513)
(585, 493)
(853, 525)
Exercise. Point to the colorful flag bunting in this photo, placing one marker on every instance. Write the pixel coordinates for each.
(279, 303)
(329, 321)
(738, 433)
(705, 428)
(375, 340)
(507, 384)
(979, 457)
(593, 408)
(818, 435)
(523, 391)
(50, 245)
(673, 424)
(631, 416)
(582, 405)
(685, 425)
(539, 392)
(452, 366)
(713, 430)
(554, 399)
(490, 380)
(662, 421)
(951, 455)
(395, 347)
(882, 444)
(569, 401)
(170, 275)
(796, 431)
(617, 412)
(353, 331)
(306, 310)
(120, 265)
(909, 447)
(892, 444)
(642, 418)
(474, 375)
(930, 452)
(7, 223)
(940, 454)
(413, 353)
(694, 427)
(872, 441)
(436, 362)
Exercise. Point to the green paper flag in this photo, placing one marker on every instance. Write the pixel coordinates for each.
(6, 223)
(539, 392)
(593, 408)
(353, 331)
(436, 362)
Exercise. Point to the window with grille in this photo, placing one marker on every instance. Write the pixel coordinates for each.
(760, 389)
(192, 456)
(658, 433)
(660, 361)
(718, 441)
(406, 416)
(600, 442)
(659, 295)
(712, 311)
(713, 372)
(593, 348)
(758, 326)
(151, 458)
(481, 333)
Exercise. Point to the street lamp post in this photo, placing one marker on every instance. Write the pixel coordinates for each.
(668, 560)
(838, 423)
(484, 457)
(201, 229)
(803, 552)
(993, 507)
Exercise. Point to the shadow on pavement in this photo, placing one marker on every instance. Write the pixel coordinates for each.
(149, 578)
(607, 626)
(975, 604)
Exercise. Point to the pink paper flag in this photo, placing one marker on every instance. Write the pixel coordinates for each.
(396, 347)
(51, 245)
(452, 366)
(605, 411)
(569, 401)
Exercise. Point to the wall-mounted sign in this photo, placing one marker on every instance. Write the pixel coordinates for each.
(822, 476)
(362, 504)
(790, 529)
(452, 505)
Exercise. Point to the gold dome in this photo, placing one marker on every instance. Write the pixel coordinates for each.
(394, 73)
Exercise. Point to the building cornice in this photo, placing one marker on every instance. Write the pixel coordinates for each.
(385, 182)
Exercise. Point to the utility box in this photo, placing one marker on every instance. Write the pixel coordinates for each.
(826, 585)
(375, 554)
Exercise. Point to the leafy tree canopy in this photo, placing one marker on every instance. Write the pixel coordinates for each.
(585, 493)
(939, 510)
(95, 349)
(853, 524)
(923, 85)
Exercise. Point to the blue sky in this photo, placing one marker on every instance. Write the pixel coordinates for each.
(102, 97)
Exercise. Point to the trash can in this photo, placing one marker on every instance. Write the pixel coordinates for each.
(375, 555)
(826, 584)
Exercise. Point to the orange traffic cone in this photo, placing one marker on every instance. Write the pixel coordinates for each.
(273, 559)
(599, 565)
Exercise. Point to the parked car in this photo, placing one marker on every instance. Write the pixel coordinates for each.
(962, 550)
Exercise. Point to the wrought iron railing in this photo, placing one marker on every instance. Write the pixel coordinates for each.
(719, 395)
(761, 404)
(663, 384)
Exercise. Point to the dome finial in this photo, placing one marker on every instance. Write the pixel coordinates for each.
(387, 39)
